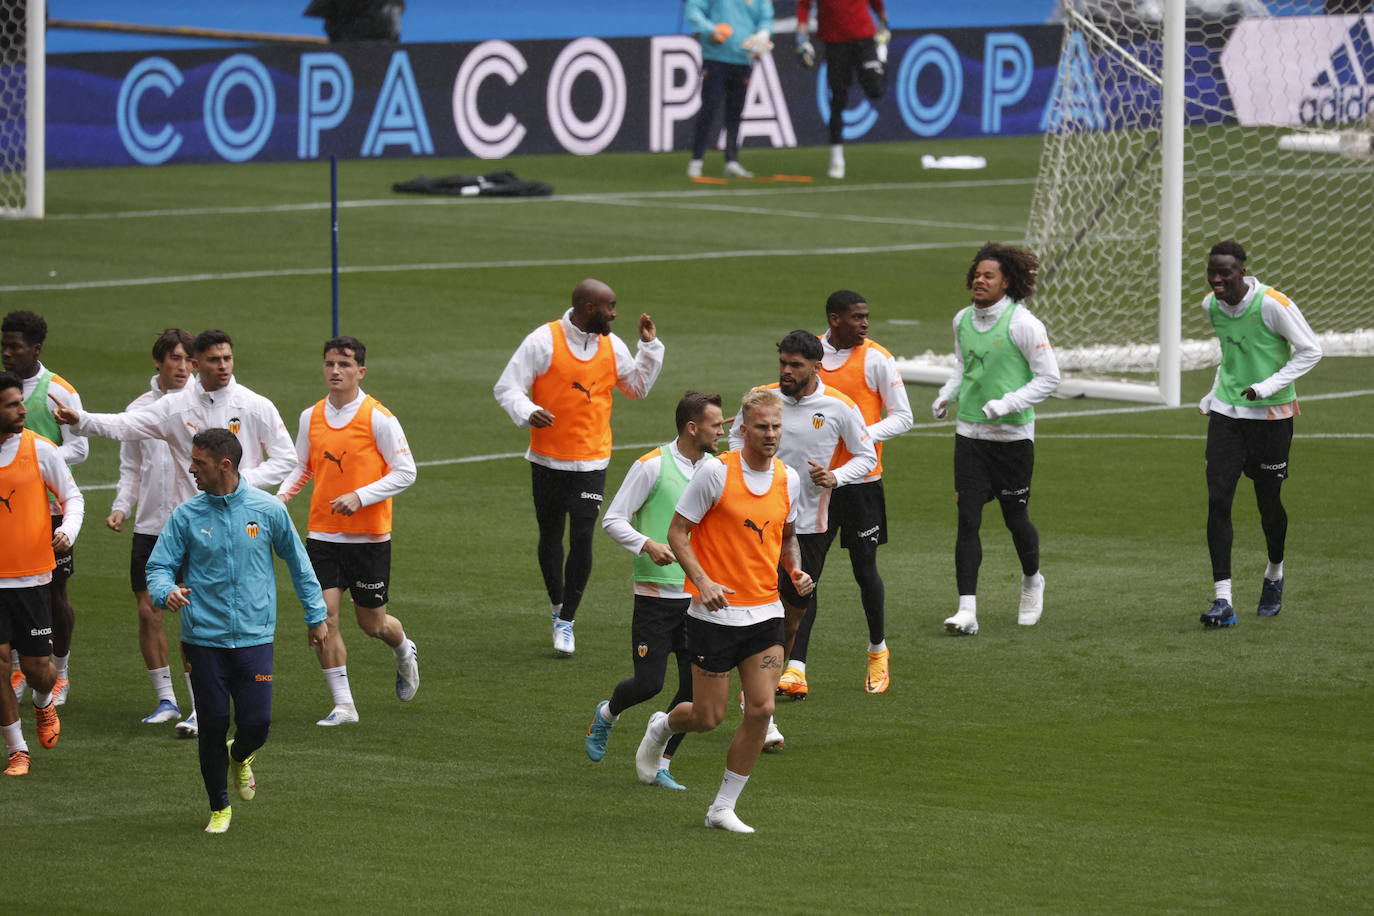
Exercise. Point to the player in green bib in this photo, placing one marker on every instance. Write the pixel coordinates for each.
(1266, 344)
(23, 334)
(638, 519)
(1003, 364)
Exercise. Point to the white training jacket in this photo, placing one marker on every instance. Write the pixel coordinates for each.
(148, 474)
(1030, 337)
(268, 455)
(72, 505)
(390, 441)
(813, 428)
(1285, 321)
(639, 482)
(882, 376)
(635, 376)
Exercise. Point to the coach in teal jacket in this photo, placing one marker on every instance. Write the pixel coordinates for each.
(745, 17)
(222, 539)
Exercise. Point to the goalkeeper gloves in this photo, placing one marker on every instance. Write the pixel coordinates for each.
(881, 39)
(806, 51)
(758, 44)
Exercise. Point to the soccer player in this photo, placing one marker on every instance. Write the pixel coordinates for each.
(1003, 364)
(31, 467)
(559, 383)
(732, 531)
(1266, 344)
(223, 539)
(867, 374)
(147, 474)
(24, 334)
(827, 443)
(356, 452)
(733, 34)
(853, 47)
(638, 519)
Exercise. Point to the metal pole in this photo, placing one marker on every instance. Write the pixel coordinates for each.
(35, 108)
(334, 237)
(1171, 206)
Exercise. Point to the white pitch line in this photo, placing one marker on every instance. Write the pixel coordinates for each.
(487, 265)
(808, 214)
(423, 201)
(945, 426)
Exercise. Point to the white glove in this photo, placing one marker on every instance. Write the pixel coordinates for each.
(938, 408)
(995, 408)
(758, 44)
(806, 51)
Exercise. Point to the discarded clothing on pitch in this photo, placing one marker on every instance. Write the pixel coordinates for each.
(492, 184)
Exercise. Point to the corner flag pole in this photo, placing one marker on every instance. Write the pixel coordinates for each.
(334, 238)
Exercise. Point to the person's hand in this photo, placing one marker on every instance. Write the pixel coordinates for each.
(115, 520)
(939, 408)
(60, 542)
(62, 413)
(1251, 394)
(801, 581)
(820, 476)
(714, 596)
(806, 51)
(284, 496)
(661, 554)
(995, 408)
(346, 504)
(318, 634)
(541, 418)
(758, 44)
(647, 329)
(722, 32)
(177, 599)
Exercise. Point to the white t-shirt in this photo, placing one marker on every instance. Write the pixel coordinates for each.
(703, 492)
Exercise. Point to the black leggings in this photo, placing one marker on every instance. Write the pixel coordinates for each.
(1273, 520)
(728, 83)
(646, 683)
(968, 547)
(565, 582)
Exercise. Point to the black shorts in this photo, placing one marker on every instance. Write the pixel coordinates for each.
(1257, 447)
(26, 620)
(363, 569)
(659, 625)
(859, 513)
(577, 493)
(846, 59)
(65, 567)
(139, 552)
(719, 648)
(813, 549)
(984, 471)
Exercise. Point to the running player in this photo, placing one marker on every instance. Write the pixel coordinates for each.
(223, 540)
(638, 519)
(1266, 345)
(356, 452)
(853, 48)
(866, 373)
(24, 334)
(30, 468)
(1003, 364)
(732, 532)
(827, 443)
(147, 472)
(559, 383)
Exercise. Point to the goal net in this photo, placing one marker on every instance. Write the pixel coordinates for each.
(1277, 153)
(21, 107)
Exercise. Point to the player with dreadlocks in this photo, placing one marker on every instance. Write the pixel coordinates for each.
(1003, 364)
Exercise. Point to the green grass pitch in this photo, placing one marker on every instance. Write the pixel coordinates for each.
(1117, 757)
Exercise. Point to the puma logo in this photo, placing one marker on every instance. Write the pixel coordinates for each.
(749, 523)
(1238, 344)
(338, 461)
(6, 501)
(578, 386)
(973, 355)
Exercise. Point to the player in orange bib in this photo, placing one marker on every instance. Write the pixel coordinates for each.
(558, 383)
(731, 532)
(30, 468)
(356, 452)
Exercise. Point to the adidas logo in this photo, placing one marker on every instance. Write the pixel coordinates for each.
(1343, 90)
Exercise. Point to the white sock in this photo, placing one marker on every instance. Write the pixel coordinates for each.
(337, 679)
(664, 762)
(1033, 581)
(837, 152)
(1274, 572)
(189, 692)
(162, 683)
(800, 666)
(605, 713)
(60, 663)
(660, 731)
(731, 785)
(14, 737)
(968, 603)
(1222, 589)
(878, 647)
(555, 609)
(14, 659)
(402, 649)
(41, 700)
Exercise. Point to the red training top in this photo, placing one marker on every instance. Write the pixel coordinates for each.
(841, 20)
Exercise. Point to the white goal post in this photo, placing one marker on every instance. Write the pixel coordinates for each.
(22, 105)
(1170, 130)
